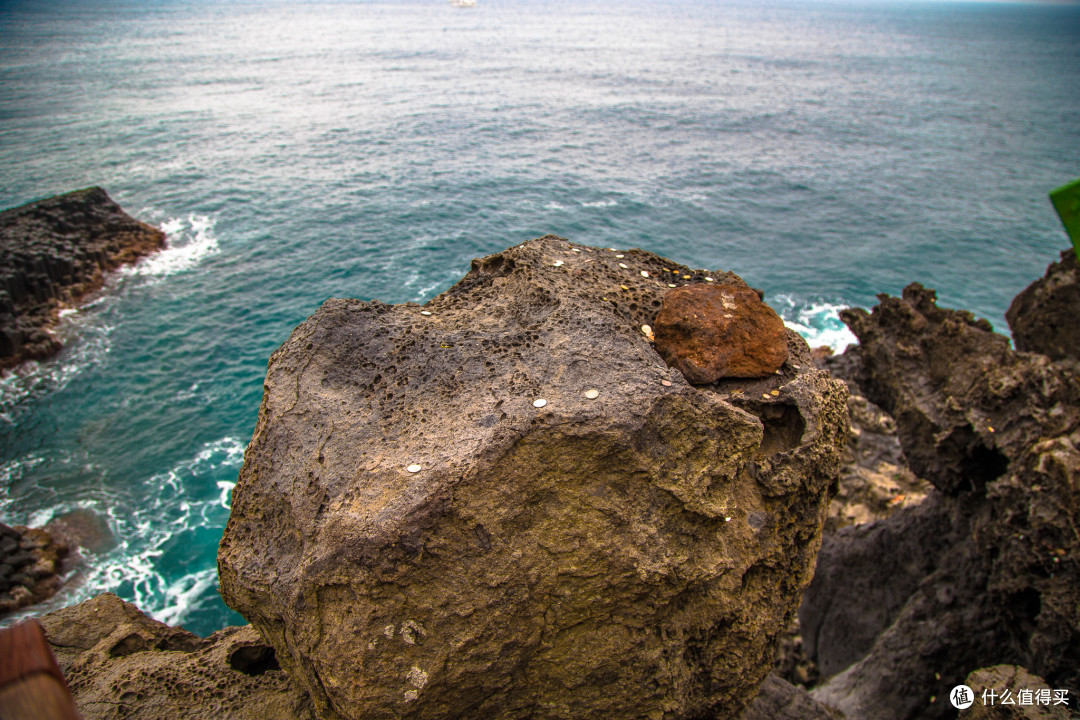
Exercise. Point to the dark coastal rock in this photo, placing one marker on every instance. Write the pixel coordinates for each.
(121, 664)
(985, 570)
(1045, 317)
(417, 535)
(780, 700)
(53, 253)
(709, 332)
(31, 560)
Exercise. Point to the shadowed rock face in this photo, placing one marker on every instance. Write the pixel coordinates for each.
(54, 252)
(1045, 317)
(418, 537)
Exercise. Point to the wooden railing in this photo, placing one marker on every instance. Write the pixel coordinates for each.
(31, 685)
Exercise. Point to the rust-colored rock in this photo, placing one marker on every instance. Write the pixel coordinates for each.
(710, 332)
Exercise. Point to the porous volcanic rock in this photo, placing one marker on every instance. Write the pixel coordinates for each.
(53, 252)
(985, 570)
(121, 664)
(30, 563)
(709, 332)
(1045, 317)
(418, 536)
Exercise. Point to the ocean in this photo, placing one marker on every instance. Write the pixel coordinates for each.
(295, 151)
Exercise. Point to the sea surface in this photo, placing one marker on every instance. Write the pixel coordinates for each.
(294, 151)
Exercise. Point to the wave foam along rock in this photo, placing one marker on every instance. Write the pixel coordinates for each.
(629, 553)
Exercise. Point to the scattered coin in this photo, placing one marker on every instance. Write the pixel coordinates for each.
(539, 403)
(425, 312)
(644, 273)
(592, 394)
(413, 468)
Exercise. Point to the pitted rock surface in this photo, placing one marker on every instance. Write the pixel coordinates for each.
(120, 664)
(417, 539)
(54, 252)
(710, 332)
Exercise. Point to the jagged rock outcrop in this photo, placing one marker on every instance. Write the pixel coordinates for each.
(985, 570)
(53, 252)
(30, 563)
(504, 504)
(121, 664)
(1045, 317)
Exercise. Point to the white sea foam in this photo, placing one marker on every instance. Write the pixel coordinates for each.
(86, 337)
(166, 504)
(818, 321)
(187, 242)
(226, 488)
(186, 594)
(600, 203)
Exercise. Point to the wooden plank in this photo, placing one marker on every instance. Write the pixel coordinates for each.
(31, 685)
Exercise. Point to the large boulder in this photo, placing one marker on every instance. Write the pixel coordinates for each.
(504, 504)
(1045, 317)
(54, 252)
(984, 571)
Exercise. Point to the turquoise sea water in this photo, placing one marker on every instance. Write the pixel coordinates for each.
(826, 151)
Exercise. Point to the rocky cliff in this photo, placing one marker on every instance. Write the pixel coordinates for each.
(505, 504)
(54, 252)
(984, 571)
(615, 500)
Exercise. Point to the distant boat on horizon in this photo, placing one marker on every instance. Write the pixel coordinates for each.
(463, 3)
